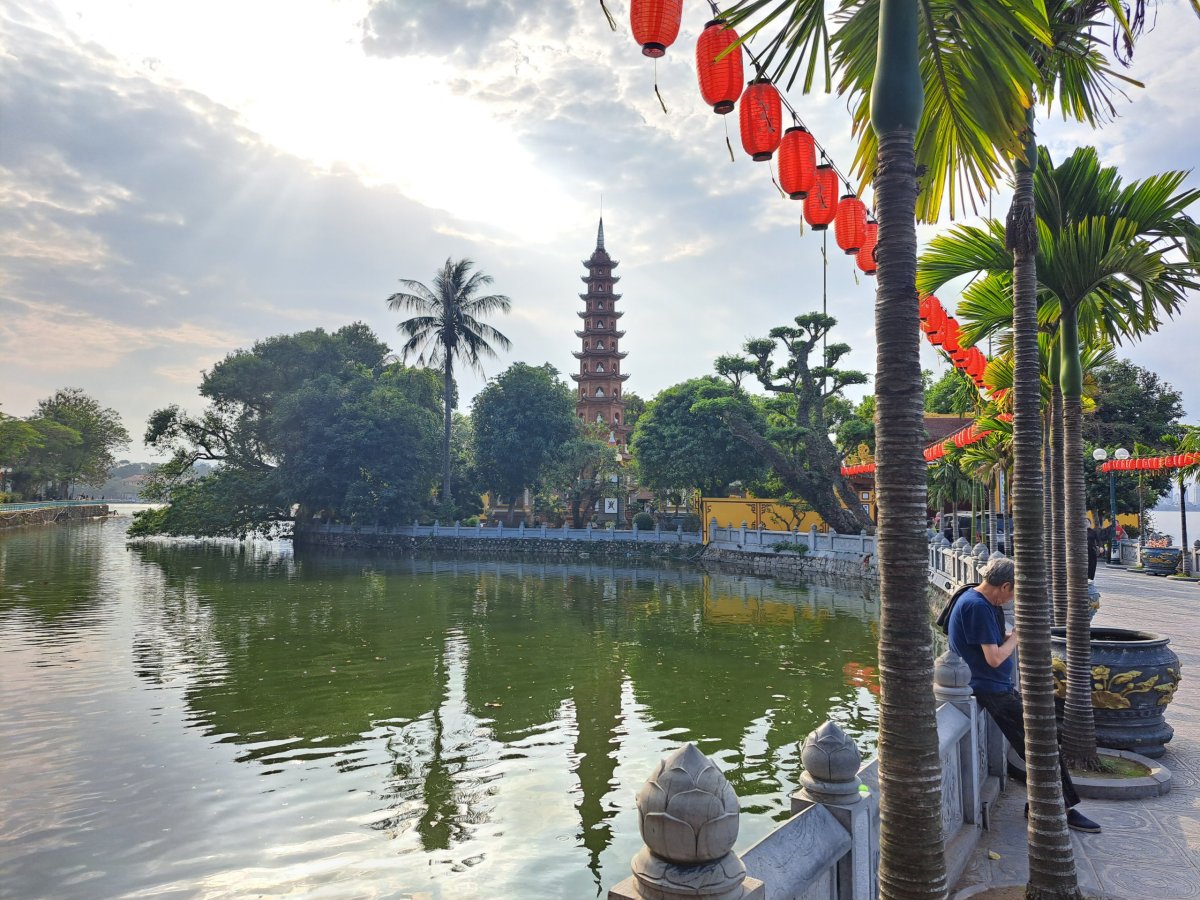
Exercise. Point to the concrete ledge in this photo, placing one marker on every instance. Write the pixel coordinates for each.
(1155, 784)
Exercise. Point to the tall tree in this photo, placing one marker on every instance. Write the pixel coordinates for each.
(1111, 260)
(100, 430)
(894, 55)
(448, 328)
(796, 444)
(522, 420)
(313, 420)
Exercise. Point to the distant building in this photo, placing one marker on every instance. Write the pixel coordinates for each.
(600, 379)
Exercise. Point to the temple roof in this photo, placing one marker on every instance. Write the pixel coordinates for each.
(607, 313)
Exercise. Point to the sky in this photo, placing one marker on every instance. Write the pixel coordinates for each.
(180, 179)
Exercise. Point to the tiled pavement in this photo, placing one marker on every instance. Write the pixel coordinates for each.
(1149, 849)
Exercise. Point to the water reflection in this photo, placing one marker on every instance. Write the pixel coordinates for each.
(484, 719)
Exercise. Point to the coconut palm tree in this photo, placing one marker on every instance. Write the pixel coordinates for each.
(447, 328)
(1186, 441)
(906, 65)
(1112, 260)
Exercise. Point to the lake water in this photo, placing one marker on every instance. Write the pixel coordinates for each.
(232, 720)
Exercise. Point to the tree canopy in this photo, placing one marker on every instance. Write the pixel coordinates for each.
(315, 422)
(521, 419)
(681, 443)
(69, 440)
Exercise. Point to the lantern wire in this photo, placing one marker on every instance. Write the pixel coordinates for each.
(758, 67)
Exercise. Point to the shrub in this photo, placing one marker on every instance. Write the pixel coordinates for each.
(790, 547)
(471, 521)
(691, 522)
(643, 521)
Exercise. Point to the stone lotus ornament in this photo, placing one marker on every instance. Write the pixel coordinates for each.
(688, 816)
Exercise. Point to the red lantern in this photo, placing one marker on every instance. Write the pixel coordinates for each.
(760, 114)
(720, 79)
(850, 228)
(820, 206)
(866, 253)
(655, 24)
(797, 162)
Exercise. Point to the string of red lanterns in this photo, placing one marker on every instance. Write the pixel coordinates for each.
(655, 25)
(968, 434)
(943, 331)
(1152, 463)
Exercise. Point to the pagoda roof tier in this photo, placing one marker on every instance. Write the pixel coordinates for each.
(580, 354)
(614, 313)
(602, 331)
(598, 376)
(600, 296)
(600, 261)
(613, 278)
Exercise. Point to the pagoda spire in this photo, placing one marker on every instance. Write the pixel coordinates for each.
(600, 235)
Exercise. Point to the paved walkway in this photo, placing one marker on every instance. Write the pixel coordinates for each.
(1150, 849)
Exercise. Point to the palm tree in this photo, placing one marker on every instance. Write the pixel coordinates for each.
(948, 484)
(906, 63)
(1186, 441)
(447, 327)
(1111, 260)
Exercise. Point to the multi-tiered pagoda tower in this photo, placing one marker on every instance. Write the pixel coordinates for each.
(601, 398)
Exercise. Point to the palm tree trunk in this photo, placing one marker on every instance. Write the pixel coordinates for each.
(1058, 546)
(1052, 871)
(1047, 500)
(912, 863)
(448, 378)
(1079, 724)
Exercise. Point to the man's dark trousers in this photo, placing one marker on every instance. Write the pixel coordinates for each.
(1008, 713)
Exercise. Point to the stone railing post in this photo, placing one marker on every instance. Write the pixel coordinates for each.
(712, 529)
(742, 541)
(589, 531)
(952, 684)
(635, 530)
(830, 778)
(688, 816)
(812, 538)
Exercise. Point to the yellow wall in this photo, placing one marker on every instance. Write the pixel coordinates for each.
(731, 512)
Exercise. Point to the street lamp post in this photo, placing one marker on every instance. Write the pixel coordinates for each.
(1100, 455)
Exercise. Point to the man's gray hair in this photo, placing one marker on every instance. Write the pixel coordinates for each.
(999, 571)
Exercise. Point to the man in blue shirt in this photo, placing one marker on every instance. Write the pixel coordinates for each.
(978, 634)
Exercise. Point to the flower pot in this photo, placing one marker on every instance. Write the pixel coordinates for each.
(1134, 677)
(1161, 560)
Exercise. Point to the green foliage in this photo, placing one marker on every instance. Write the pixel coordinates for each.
(313, 421)
(953, 393)
(578, 474)
(522, 420)
(858, 427)
(804, 405)
(70, 439)
(448, 328)
(794, 547)
(1133, 406)
(643, 521)
(682, 441)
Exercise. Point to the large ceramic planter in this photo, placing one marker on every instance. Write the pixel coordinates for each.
(1161, 560)
(1134, 677)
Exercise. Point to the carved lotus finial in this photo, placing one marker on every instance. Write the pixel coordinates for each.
(830, 755)
(949, 670)
(687, 811)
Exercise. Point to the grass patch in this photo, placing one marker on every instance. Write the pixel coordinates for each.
(1116, 767)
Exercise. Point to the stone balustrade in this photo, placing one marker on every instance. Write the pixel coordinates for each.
(829, 848)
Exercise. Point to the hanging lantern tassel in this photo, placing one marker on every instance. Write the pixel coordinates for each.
(656, 91)
(612, 23)
(728, 144)
(866, 253)
(655, 25)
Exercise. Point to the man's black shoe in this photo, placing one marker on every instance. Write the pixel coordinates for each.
(1079, 822)
(1076, 821)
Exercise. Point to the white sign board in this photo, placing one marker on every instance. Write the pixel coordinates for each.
(610, 504)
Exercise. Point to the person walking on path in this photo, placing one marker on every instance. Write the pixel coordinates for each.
(977, 634)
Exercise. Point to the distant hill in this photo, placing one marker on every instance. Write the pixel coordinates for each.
(126, 480)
